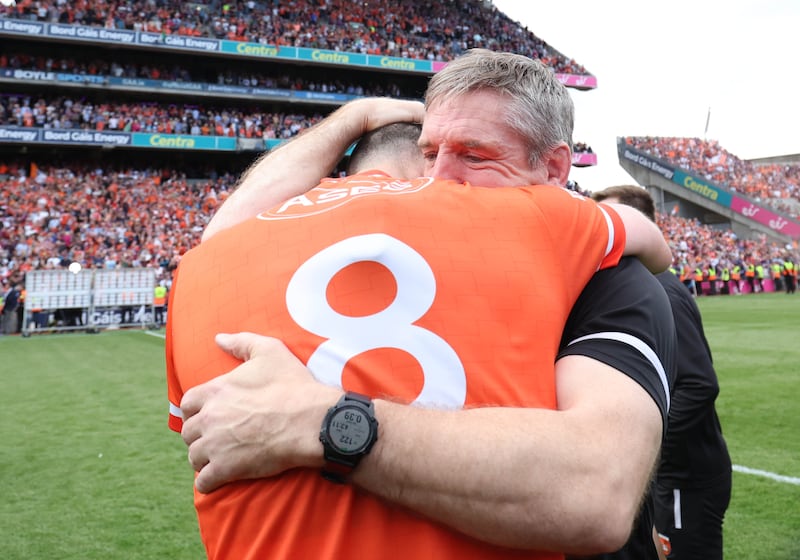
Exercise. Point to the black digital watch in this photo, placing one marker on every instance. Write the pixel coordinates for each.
(348, 432)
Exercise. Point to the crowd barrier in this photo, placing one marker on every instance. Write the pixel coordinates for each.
(88, 299)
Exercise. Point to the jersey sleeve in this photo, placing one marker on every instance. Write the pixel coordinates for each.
(623, 319)
(174, 390)
(618, 237)
(582, 229)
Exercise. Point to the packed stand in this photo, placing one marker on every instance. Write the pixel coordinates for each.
(775, 185)
(52, 216)
(101, 67)
(416, 29)
(151, 117)
(23, 110)
(711, 261)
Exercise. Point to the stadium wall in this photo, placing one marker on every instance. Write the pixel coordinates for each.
(744, 214)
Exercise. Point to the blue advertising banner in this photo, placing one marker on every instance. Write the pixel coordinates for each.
(703, 188)
(183, 141)
(243, 49)
(664, 170)
(20, 134)
(79, 136)
(239, 48)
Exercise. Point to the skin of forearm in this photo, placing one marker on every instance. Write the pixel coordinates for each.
(549, 479)
(287, 171)
(569, 479)
(297, 166)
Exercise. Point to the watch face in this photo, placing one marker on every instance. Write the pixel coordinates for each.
(349, 430)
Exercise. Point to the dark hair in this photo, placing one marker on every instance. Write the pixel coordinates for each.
(629, 195)
(394, 139)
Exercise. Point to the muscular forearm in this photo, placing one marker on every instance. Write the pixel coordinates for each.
(478, 472)
(569, 479)
(526, 478)
(298, 165)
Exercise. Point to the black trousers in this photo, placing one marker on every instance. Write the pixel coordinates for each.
(791, 283)
(690, 520)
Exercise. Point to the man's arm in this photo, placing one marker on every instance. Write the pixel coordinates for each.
(568, 479)
(643, 239)
(620, 317)
(527, 478)
(298, 165)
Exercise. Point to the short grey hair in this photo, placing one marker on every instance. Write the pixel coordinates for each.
(541, 108)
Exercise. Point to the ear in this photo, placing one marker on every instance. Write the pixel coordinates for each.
(558, 165)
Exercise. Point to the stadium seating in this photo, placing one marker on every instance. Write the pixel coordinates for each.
(140, 193)
(776, 185)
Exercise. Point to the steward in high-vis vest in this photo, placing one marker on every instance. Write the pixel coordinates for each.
(760, 275)
(159, 303)
(698, 281)
(725, 276)
(711, 273)
(750, 276)
(736, 277)
(790, 275)
(777, 275)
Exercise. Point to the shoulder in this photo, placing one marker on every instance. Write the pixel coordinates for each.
(624, 319)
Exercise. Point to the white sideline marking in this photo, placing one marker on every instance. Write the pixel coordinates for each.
(767, 474)
(158, 335)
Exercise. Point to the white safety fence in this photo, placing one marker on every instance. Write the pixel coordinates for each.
(60, 300)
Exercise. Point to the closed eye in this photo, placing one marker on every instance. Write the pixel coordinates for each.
(474, 159)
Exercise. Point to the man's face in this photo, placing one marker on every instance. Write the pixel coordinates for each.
(465, 139)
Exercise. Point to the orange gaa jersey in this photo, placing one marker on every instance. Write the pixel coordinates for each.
(431, 292)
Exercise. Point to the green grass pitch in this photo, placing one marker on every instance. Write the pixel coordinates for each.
(89, 469)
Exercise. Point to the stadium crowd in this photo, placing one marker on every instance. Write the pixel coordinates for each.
(416, 29)
(206, 74)
(775, 185)
(714, 261)
(52, 216)
(165, 118)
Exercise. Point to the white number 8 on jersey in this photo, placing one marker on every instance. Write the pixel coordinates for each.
(445, 382)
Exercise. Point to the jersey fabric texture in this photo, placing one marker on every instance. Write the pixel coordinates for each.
(623, 319)
(430, 292)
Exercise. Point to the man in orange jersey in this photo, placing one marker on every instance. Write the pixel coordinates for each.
(502, 451)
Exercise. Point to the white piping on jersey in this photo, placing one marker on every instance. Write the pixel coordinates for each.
(639, 345)
(175, 411)
(676, 508)
(611, 232)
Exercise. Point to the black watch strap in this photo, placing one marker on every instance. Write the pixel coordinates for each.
(336, 472)
(338, 466)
